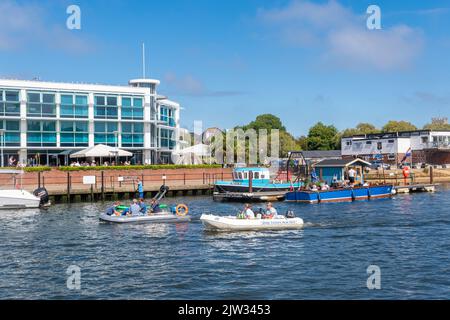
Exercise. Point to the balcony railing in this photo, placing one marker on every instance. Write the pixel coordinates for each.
(438, 145)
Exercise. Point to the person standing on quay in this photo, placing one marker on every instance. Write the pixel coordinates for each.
(140, 188)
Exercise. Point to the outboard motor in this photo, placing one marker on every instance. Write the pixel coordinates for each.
(290, 214)
(42, 193)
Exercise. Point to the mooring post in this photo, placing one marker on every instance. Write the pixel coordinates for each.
(39, 179)
(92, 193)
(103, 185)
(431, 175)
(250, 181)
(68, 186)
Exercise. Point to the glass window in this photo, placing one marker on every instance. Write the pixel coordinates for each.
(126, 102)
(12, 96)
(66, 99)
(48, 98)
(100, 100)
(112, 101)
(34, 125)
(81, 100)
(66, 126)
(138, 102)
(34, 97)
(127, 127)
(100, 127)
(48, 126)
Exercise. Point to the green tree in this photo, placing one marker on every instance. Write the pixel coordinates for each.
(266, 121)
(322, 137)
(438, 124)
(397, 126)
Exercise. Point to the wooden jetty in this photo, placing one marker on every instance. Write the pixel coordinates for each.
(250, 196)
(410, 188)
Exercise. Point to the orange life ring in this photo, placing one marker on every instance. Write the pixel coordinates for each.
(182, 210)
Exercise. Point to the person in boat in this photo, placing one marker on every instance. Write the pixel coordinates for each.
(135, 208)
(249, 214)
(271, 212)
(313, 187)
(154, 206)
(113, 209)
(143, 206)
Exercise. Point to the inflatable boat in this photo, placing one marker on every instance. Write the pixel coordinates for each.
(163, 217)
(230, 223)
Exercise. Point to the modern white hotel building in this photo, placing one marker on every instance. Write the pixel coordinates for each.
(43, 122)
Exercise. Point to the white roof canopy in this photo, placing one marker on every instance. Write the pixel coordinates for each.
(100, 150)
(198, 150)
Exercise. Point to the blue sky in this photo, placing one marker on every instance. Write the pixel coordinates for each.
(228, 61)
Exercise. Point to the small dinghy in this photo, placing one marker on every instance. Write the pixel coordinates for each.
(163, 217)
(167, 214)
(230, 223)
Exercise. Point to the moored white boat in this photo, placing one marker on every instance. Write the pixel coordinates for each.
(18, 199)
(165, 217)
(230, 223)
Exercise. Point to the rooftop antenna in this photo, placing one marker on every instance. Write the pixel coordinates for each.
(143, 60)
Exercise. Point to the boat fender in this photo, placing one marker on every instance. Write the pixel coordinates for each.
(182, 210)
(42, 193)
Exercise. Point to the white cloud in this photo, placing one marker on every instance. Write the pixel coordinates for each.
(341, 35)
(23, 26)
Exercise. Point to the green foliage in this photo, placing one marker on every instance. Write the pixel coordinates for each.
(36, 169)
(437, 125)
(322, 137)
(266, 121)
(397, 126)
(143, 167)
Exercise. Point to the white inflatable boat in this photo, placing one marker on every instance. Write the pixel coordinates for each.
(164, 217)
(230, 223)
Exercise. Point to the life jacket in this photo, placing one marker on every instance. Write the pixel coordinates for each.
(406, 172)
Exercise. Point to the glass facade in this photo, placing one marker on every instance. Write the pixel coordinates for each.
(9, 103)
(12, 132)
(132, 134)
(104, 133)
(132, 108)
(74, 106)
(41, 133)
(105, 107)
(41, 105)
(74, 134)
(167, 116)
(167, 139)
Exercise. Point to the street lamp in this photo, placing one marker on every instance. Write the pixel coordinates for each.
(2, 145)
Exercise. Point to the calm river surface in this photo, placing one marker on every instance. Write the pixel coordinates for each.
(408, 237)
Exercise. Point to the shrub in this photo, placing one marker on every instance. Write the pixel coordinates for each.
(142, 167)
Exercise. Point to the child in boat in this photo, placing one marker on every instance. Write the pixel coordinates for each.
(143, 206)
(113, 209)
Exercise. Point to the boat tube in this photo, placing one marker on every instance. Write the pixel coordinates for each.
(163, 217)
(231, 223)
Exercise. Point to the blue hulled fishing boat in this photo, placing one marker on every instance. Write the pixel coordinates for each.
(339, 181)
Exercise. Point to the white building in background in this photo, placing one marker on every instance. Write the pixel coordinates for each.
(426, 146)
(43, 122)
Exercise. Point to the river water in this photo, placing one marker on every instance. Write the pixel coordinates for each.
(407, 237)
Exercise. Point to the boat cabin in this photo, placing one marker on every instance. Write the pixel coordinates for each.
(330, 169)
(242, 175)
